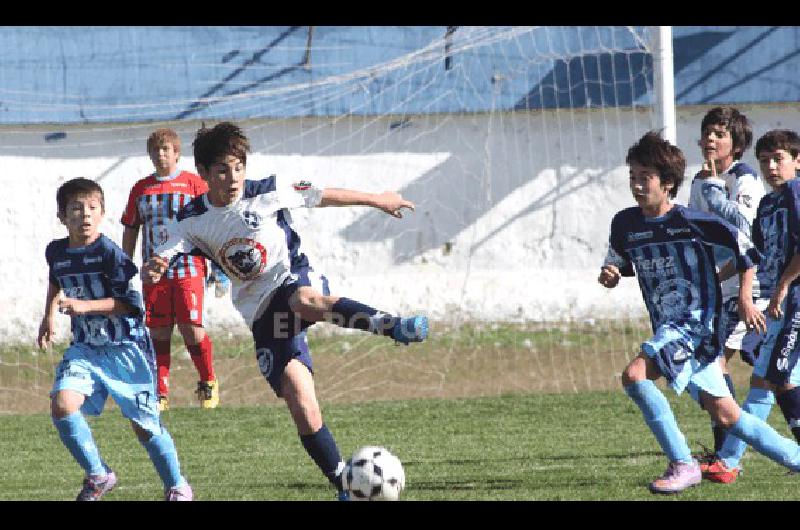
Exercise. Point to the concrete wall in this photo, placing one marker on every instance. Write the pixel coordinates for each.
(512, 215)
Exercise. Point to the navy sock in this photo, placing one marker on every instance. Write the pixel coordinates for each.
(789, 402)
(321, 447)
(349, 313)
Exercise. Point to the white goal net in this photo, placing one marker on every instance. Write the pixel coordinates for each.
(509, 140)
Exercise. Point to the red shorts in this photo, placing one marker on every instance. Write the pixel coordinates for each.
(170, 301)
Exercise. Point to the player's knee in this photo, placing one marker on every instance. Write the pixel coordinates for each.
(723, 411)
(141, 433)
(63, 404)
(191, 333)
(635, 371)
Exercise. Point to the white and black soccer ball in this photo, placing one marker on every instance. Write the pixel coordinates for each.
(373, 474)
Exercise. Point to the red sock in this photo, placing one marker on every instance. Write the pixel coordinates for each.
(162, 362)
(203, 358)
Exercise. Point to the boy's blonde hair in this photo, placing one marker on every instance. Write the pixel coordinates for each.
(164, 135)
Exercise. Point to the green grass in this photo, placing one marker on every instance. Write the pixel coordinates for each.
(575, 446)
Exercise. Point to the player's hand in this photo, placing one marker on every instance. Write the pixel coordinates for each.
(609, 276)
(751, 316)
(46, 334)
(152, 271)
(774, 308)
(705, 171)
(393, 203)
(73, 306)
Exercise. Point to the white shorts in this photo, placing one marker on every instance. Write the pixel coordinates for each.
(738, 336)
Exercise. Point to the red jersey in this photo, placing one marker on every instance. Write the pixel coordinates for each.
(152, 203)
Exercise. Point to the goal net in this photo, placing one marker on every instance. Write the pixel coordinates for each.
(510, 141)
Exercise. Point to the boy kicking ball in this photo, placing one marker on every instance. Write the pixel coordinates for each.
(669, 248)
(246, 227)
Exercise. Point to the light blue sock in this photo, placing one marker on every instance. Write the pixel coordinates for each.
(758, 403)
(162, 453)
(76, 435)
(766, 440)
(659, 417)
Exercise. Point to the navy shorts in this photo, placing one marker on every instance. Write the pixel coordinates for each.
(280, 334)
(778, 360)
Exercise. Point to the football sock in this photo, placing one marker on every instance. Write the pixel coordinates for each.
(202, 355)
(321, 447)
(766, 440)
(659, 417)
(718, 431)
(164, 456)
(789, 402)
(758, 403)
(352, 314)
(163, 358)
(76, 435)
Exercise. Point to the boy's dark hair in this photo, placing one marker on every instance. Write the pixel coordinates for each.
(223, 139)
(736, 122)
(653, 151)
(164, 135)
(74, 187)
(775, 139)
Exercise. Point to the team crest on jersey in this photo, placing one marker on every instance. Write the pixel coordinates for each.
(244, 257)
(302, 185)
(674, 298)
(265, 359)
(252, 219)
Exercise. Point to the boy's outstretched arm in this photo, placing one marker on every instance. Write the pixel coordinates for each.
(389, 201)
(47, 328)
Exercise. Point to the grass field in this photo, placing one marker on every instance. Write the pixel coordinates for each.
(493, 413)
(588, 446)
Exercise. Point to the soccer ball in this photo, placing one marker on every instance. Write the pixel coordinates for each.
(373, 474)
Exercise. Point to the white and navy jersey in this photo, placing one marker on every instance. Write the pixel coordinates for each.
(251, 239)
(673, 259)
(734, 195)
(776, 234)
(97, 271)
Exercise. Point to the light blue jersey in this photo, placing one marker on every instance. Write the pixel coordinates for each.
(674, 261)
(108, 355)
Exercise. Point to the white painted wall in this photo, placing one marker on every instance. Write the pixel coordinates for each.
(512, 215)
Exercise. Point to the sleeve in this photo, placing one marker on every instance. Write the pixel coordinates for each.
(616, 254)
(717, 231)
(130, 217)
(200, 186)
(177, 242)
(716, 197)
(795, 202)
(48, 256)
(120, 270)
(746, 192)
(309, 194)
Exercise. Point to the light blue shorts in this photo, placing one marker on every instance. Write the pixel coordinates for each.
(122, 371)
(674, 349)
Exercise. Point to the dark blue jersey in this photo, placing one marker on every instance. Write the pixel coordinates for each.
(94, 272)
(776, 234)
(673, 259)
